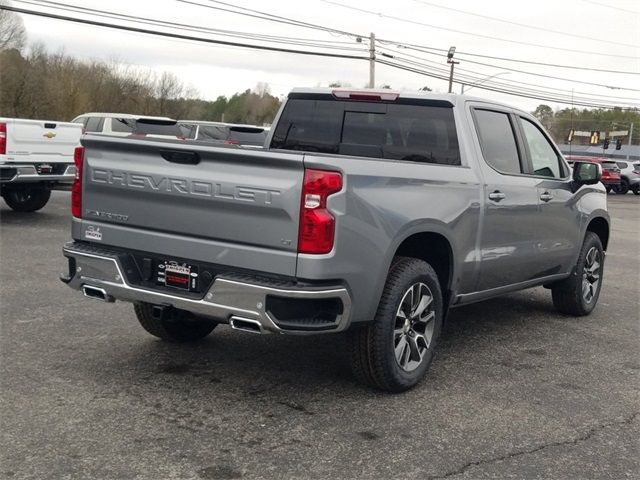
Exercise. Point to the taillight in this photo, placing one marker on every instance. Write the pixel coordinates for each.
(317, 224)
(3, 138)
(76, 189)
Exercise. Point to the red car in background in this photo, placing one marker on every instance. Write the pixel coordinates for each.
(610, 170)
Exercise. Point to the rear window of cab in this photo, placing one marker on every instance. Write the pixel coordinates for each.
(409, 132)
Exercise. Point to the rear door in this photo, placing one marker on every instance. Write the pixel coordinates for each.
(155, 193)
(42, 141)
(507, 245)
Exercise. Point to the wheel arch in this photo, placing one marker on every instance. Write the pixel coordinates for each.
(600, 226)
(435, 248)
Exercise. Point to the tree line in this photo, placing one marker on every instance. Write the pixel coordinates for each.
(559, 123)
(56, 86)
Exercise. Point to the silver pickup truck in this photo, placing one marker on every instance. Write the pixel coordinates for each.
(368, 212)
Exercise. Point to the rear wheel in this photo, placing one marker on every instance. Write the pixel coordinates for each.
(623, 188)
(636, 190)
(28, 198)
(578, 294)
(394, 351)
(175, 325)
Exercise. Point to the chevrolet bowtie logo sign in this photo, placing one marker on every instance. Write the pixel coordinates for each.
(49, 135)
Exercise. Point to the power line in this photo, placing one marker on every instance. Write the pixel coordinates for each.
(478, 82)
(180, 26)
(420, 49)
(176, 35)
(484, 87)
(506, 59)
(299, 23)
(509, 22)
(517, 82)
(268, 16)
(611, 6)
(415, 22)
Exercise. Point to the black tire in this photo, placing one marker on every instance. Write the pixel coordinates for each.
(623, 188)
(636, 190)
(373, 345)
(569, 294)
(176, 326)
(608, 188)
(28, 198)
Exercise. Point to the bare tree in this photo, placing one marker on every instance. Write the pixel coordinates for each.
(12, 32)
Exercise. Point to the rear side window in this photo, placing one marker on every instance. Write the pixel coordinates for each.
(613, 166)
(420, 133)
(544, 158)
(94, 124)
(498, 141)
(622, 165)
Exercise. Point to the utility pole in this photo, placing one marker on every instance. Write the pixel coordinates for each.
(630, 137)
(451, 62)
(372, 60)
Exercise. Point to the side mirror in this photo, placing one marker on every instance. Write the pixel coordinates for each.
(586, 173)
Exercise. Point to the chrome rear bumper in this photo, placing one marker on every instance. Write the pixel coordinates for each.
(228, 300)
(29, 174)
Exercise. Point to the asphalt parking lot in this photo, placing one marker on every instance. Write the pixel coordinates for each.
(516, 391)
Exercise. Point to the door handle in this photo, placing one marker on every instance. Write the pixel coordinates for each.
(497, 196)
(546, 196)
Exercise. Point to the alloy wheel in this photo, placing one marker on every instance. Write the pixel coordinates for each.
(591, 275)
(415, 322)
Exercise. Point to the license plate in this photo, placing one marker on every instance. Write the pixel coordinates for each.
(178, 275)
(44, 169)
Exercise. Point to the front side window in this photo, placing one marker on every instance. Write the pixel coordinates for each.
(622, 165)
(498, 141)
(406, 131)
(544, 158)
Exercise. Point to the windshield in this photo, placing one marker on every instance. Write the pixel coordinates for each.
(396, 131)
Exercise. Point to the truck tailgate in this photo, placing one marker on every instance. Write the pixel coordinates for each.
(233, 198)
(41, 140)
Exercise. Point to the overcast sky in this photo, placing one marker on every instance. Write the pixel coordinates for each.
(611, 30)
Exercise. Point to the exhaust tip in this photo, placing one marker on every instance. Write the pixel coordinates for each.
(97, 293)
(246, 325)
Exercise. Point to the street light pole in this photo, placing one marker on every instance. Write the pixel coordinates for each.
(451, 62)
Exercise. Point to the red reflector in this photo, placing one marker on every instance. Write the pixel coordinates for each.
(3, 138)
(76, 188)
(231, 142)
(366, 96)
(317, 225)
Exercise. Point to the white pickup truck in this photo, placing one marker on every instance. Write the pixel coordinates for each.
(35, 157)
